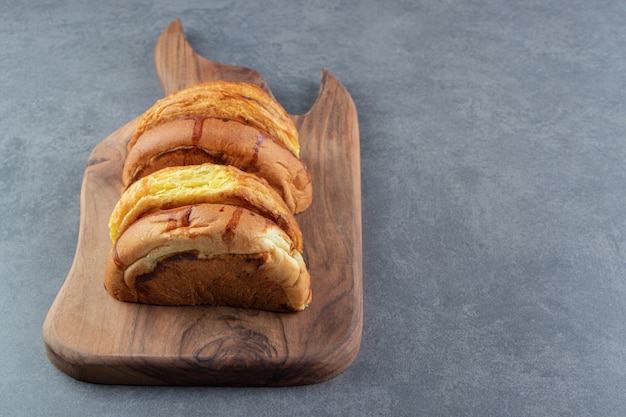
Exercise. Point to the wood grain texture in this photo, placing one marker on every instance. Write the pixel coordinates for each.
(93, 337)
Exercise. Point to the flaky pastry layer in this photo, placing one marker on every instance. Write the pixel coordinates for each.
(244, 102)
(208, 183)
(198, 140)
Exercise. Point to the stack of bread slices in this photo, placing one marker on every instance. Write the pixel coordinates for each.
(211, 184)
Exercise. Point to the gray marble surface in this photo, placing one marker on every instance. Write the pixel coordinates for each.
(493, 148)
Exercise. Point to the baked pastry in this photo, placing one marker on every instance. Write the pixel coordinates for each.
(198, 140)
(208, 183)
(211, 183)
(163, 258)
(244, 102)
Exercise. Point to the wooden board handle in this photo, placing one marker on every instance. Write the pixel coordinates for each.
(178, 66)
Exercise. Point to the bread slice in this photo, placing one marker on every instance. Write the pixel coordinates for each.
(214, 254)
(211, 183)
(199, 140)
(244, 102)
(207, 183)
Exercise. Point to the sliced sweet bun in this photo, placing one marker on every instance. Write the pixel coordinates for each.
(207, 183)
(208, 254)
(244, 102)
(221, 141)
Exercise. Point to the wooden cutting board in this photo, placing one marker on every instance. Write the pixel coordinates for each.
(93, 337)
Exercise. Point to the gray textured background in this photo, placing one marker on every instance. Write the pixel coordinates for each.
(493, 148)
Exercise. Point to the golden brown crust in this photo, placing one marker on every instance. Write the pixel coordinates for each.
(212, 180)
(208, 183)
(208, 254)
(244, 102)
(198, 140)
